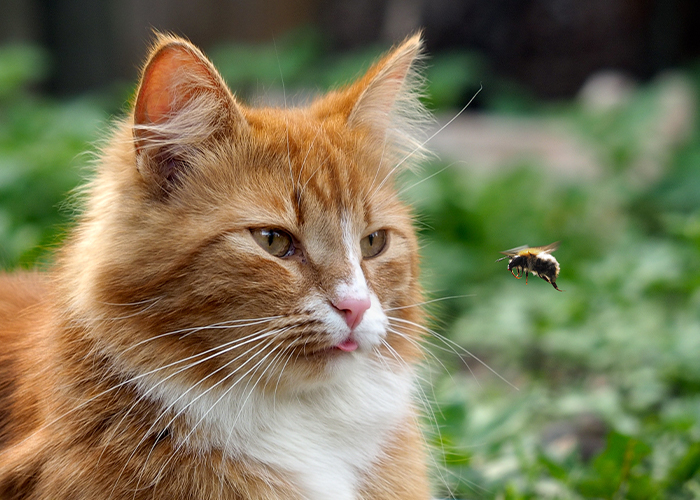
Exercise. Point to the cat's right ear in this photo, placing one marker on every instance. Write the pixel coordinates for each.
(181, 106)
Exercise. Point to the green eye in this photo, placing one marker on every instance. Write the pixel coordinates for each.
(274, 241)
(372, 244)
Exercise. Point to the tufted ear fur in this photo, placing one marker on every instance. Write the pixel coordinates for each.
(182, 104)
(388, 86)
(385, 103)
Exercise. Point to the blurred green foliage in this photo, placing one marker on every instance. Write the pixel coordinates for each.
(43, 146)
(608, 399)
(607, 403)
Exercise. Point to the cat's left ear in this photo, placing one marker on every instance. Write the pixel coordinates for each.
(181, 105)
(386, 103)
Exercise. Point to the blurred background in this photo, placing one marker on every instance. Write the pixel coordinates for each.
(585, 131)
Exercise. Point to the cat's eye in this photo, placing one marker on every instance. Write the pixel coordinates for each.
(373, 244)
(274, 241)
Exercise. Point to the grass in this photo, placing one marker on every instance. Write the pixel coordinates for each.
(607, 404)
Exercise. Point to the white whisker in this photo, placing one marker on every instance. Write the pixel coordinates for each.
(218, 351)
(116, 387)
(274, 393)
(269, 367)
(129, 304)
(189, 404)
(245, 401)
(236, 323)
(403, 190)
(137, 313)
(414, 342)
(180, 412)
(419, 304)
(425, 403)
(454, 344)
(420, 147)
(448, 349)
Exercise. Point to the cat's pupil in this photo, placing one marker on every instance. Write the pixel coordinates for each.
(273, 241)
(373, 244)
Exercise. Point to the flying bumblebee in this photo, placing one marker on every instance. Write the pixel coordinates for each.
(536, 260)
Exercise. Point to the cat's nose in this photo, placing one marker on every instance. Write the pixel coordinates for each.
(353, 308)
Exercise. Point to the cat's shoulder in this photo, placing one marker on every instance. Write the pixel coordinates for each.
(20, 291)
(23, 320)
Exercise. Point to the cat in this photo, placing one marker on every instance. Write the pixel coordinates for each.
(236, 313)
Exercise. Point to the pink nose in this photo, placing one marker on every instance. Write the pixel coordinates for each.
(353, 308)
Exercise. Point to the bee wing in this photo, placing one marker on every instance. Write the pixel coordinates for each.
(545, 249)
(514, 251)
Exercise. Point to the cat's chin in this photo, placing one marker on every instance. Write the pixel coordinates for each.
(324, 365)
(348, 347)
(330, 368)
(333, 354)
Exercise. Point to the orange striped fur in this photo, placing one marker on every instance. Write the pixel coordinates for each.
(168, 354)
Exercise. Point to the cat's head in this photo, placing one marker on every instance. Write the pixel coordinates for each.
(252, 242)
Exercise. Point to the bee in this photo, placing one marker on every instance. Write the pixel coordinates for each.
(536, 260)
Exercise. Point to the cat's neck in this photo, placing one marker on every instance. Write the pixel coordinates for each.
(328, 437)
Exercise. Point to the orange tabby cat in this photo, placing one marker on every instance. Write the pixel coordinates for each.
(231, 317)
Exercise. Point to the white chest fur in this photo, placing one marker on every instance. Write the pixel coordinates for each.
(324, 439)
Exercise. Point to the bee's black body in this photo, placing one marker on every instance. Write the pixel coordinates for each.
(536, 260)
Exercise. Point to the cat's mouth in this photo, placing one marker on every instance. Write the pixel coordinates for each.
(348, 345)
